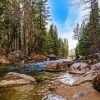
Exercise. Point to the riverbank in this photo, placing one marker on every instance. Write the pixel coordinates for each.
(54, 84)
(18, 58)
(51, 86)
(81, 92)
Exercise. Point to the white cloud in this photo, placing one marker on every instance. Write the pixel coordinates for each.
(48, 25)
(99, 3)
(75, 11)
(67, 30)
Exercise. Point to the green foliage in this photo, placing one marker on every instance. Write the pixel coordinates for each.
(55, 38)
(52, 40)
(89, 41)
(63, 47)
(55, 45)
(23, 27)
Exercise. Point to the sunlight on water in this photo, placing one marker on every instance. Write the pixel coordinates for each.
(67, 78)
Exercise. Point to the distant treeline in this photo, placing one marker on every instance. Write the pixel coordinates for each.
(23, 27)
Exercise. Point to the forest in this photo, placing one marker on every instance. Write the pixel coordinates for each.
(23, 27)
(88, 33)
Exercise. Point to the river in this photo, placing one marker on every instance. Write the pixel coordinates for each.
(39, 91)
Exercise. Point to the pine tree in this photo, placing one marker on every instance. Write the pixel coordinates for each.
(55, 41)
(42, 14)
(49, 40)
(90, 36)
(76, 31)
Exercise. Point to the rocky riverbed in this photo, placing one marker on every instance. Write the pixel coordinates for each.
(42, 85)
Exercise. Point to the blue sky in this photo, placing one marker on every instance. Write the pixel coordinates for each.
(65, 17)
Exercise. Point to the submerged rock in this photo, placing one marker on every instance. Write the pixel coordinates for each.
(56, 67)
(96, 83)
(13, 78)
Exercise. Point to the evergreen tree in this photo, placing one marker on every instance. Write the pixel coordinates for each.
(42, 14)
(65, 48)
(55, 41)
(49, 40)
(76, 31)
(89, 35)
(61, 47)
(22, 25)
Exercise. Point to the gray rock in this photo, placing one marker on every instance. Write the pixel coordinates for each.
(87, 77)
(14, 75)
(79, 68)
(13, 78)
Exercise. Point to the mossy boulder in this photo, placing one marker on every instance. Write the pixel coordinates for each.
(96, 83)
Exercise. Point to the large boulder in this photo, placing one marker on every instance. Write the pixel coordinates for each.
(56, 67)
(14, 75)
(13, 78)
(91, 61)
(95, 66)
(96, 83)
(79, 68)
(39, 57)
(87, 77)
(69, 63)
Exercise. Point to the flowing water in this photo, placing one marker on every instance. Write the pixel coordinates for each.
(38, 91)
